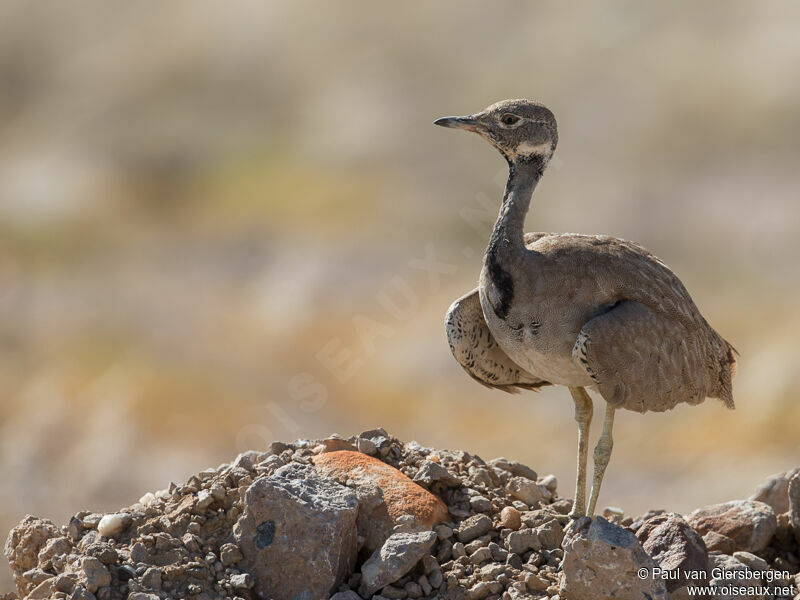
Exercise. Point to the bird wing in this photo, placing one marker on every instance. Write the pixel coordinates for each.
(476, 350)
(642, 360)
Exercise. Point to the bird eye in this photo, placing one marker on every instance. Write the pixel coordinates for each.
(509, 119)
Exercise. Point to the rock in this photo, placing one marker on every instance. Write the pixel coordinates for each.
(398, 500)
(242, 581)
(335, 444)
(23, 545)
(473, 527)
(515, 468)
(143, 596)
(550, 534)
(348, 595)
(431, 472)
(93, 574)
(716, 542)
(510, 518)
(676, 548)
(304, 523)
(396, 557)
(550, 482)
(111, 525)
(81, 593)
(775, 491)
(480, 504)
(229, 554)
(602, 561)
(736, 573)
(151, 579)
(794, 505)
(750, 524)
(53, 547)
(523, 540)
(526, 490)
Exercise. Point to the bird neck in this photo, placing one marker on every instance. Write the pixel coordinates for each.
(508, 235)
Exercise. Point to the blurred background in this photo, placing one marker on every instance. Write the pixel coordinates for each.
(222, 225)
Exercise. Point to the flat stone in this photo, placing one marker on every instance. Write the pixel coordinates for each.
(387, 497)
(716, 542)
(676, 548)
(396, 557)
(513, 467)
(523, 540)
(602, 560)
(431, 472)
(750, 524)
(473, 527)
(527, 490)
(304, 523)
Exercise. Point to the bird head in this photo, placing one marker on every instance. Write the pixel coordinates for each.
(521, 130)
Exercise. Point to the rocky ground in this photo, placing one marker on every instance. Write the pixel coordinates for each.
(373, 517)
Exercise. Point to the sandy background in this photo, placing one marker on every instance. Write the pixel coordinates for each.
(202, 206)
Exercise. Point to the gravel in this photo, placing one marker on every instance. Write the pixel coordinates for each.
(502, 540)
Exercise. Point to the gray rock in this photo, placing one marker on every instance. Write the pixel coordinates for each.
(229, 554)
(474, 527)
(143, 596)
(81, 593)
(716, 542)
(304, 523)
(348, 595)
(527, 490)
(513, 467)
(603, 561)
(750, 524)
(242, 581)
(93, 574)
(550, 534)
(775, 491)
(523, 540)
(676, 548)
(151, 579)
(794, 505)
(395, 558)
(737, 574)
(431, 472)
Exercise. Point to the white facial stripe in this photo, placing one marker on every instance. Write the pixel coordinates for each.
(526, 149)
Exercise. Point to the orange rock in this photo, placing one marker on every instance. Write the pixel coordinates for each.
(402, 498)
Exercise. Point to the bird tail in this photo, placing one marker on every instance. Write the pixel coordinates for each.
(726, 373)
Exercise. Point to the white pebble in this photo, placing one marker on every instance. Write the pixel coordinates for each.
(147, 499)
(110, 525)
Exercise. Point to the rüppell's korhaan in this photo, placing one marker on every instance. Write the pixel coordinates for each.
(583, 311)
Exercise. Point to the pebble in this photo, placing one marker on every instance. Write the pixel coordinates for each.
(510, 518)
(113, 524)
(473, 527)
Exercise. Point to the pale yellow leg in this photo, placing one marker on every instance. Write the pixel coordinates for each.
(602, 454)
(583, 415)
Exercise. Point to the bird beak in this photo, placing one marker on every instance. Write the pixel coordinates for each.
(469, 123)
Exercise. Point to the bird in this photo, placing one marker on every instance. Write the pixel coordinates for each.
(589, 312)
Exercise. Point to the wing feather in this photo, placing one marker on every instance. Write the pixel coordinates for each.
(476, 350)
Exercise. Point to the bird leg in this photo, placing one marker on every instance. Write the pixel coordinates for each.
(583, 415)
(602, 454)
